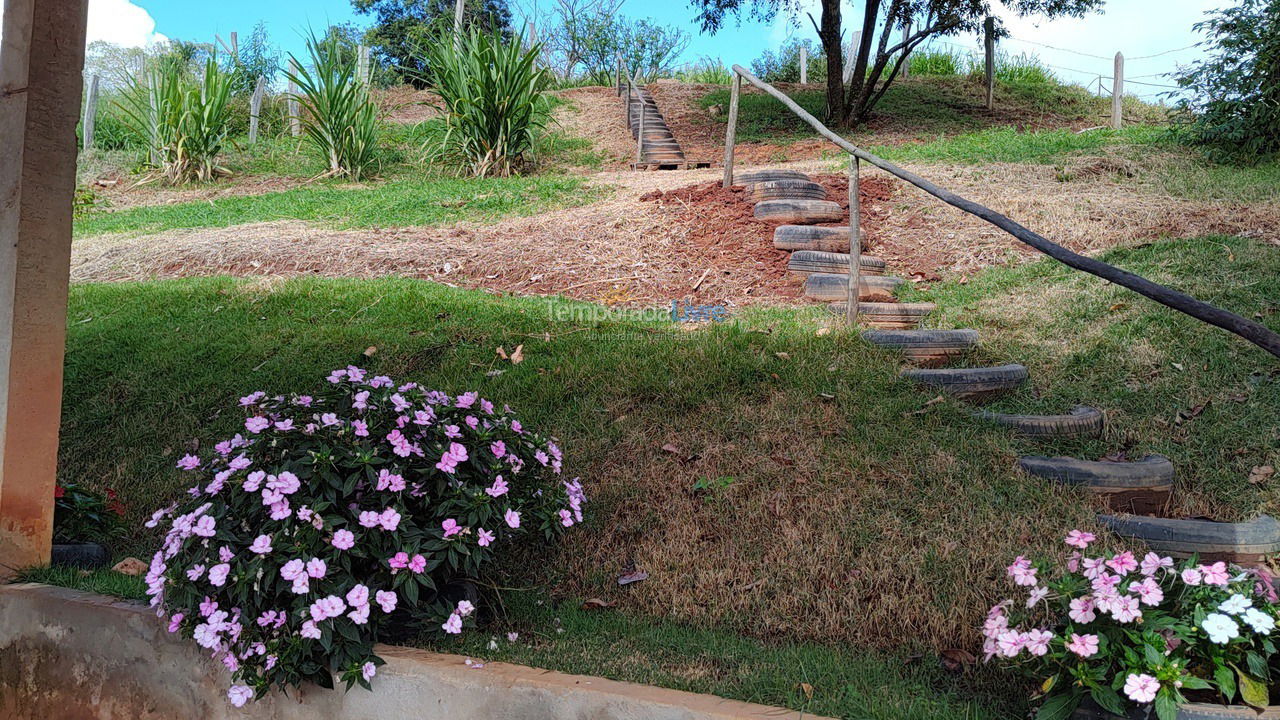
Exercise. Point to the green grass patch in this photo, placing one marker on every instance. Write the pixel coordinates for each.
(1009, 145)
(397, 203)
(103, 582)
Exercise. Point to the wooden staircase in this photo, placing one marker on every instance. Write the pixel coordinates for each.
(658, 149)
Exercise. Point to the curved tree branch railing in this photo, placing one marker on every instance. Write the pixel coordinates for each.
(1254, 332)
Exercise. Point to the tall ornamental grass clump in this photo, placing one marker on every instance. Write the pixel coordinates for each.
(339, 118)
(183, 119)
(491, 89)
(335, 518)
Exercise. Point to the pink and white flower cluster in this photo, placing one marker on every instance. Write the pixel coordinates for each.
(1122, 629)
(329, 517)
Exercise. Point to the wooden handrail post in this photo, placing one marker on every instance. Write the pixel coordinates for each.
(855, 242)
(640, 129)
(1117, 94)
(731, 132)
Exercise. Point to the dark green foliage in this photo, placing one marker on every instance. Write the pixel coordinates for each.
(1232, 109)
(402, 27)
(784, 66)
(84, 515)
(254, 58)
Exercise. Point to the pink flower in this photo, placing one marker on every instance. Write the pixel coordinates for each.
(417, 564)
(453, 625)
(285, 425)
(484, 537)
(175, 622)
(370, 518)
(1191, 576)
(254, 481)
(1022, 572)
(1083, 645)
(1093, 567)
(360, 615)
(1125, 609)
(1148, 590)
(465, 608)
(498, 448)
(1082, 610)
(310, 630)
(451, 527)
(293, 570)
(195, 572)
(189, 462)
(389, 519)
(256, 424)
(1037, 594)
(498, 489)
(1152, 563)
(301, 585)
(399, 561)
(1079, 539)
(513, 518)
(327, 607)
(204, 527)
(1038, 642)
(1011, 643)
(361, 428)
(329, 419)
(239, 695)
(386, 600)
(388, 480)
(1215, 574)
(358, 596)
(218, 574)
(343, 539)
(1073, 561)
(994, 625)
(1124, 563)
(316, 568)
(261, 545)
(367, 671)
(1141, 688)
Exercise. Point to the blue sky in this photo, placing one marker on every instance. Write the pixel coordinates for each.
(1081, 49)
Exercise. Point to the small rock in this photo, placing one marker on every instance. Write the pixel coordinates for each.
(130, 566)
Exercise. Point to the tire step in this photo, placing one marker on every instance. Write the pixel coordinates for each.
(1141, 487)
(1081, 421)
(1244, 542)
(812, 237)
(973, 384)
(889, 316)
(755, 176)
(871, 288)
(818, 261)
(786, 190)
(799, 211)
(926, 347)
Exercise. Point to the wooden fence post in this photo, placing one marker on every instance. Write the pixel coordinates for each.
(989, 41)
(457, 18)
(1117, 94)
(730, 133)
(362, 63)
(906, 64)
(235, 45)
(90, 113)
(855, 242)
(295, 125)
(804, 65)
(855, 42)
(255, 108)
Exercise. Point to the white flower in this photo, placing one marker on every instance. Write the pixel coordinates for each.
(1261, 622)
(1235, 604)
(1220, 628)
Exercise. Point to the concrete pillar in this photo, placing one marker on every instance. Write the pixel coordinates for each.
(40, 91)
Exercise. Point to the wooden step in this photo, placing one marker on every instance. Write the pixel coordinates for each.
(887, 315)
(929, 348)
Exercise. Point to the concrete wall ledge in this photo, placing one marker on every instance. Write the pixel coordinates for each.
(73, 655)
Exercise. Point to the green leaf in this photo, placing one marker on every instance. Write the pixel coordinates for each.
(1059, 707)
(1107, 699)
(1252, 690)
(1226, 681)
(1154, 657)
(1257, 665)
(1191, 682)
(1166, 706)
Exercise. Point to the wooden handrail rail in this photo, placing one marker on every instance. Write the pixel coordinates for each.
(1254, 332)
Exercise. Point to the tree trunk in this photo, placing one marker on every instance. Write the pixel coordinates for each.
(829, 35)
(858, 80)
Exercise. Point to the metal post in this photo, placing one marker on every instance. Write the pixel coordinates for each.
(730, 133)
(989, 40)
(855, 242)
(1117, 94)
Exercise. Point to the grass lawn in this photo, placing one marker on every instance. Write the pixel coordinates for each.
(399, 203)
(849, 523)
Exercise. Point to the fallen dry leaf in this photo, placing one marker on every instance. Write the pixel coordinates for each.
(501, 353)
(596, 604)
(517, 355)
(782, 355)
(130, 566)
(369, 351)
(1260, 474)
(632, 577)
(823, 331)
(807, 689)
(671, 449)
(957, 658)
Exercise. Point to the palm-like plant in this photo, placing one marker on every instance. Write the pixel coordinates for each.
(491, 89)
(183, 120)
(338, 116)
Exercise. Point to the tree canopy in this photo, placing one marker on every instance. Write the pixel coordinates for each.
(891, 30)
(402, 27)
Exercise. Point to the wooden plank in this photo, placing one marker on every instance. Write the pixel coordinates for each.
(90, 113)
(255, 108)
(855, 241)
(731, 132)
(1254, 332)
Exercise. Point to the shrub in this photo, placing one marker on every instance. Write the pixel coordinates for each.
(84, 515)
(708, 70)
(302, 535)
(784, 66)
(492, 92)
(338, 117)
(184, 120)
(1147, 629)
(1230, 104)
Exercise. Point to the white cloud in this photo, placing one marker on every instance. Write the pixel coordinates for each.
(122, 23)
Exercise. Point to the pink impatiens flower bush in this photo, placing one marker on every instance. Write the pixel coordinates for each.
(304, 533)
(1129, 632)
